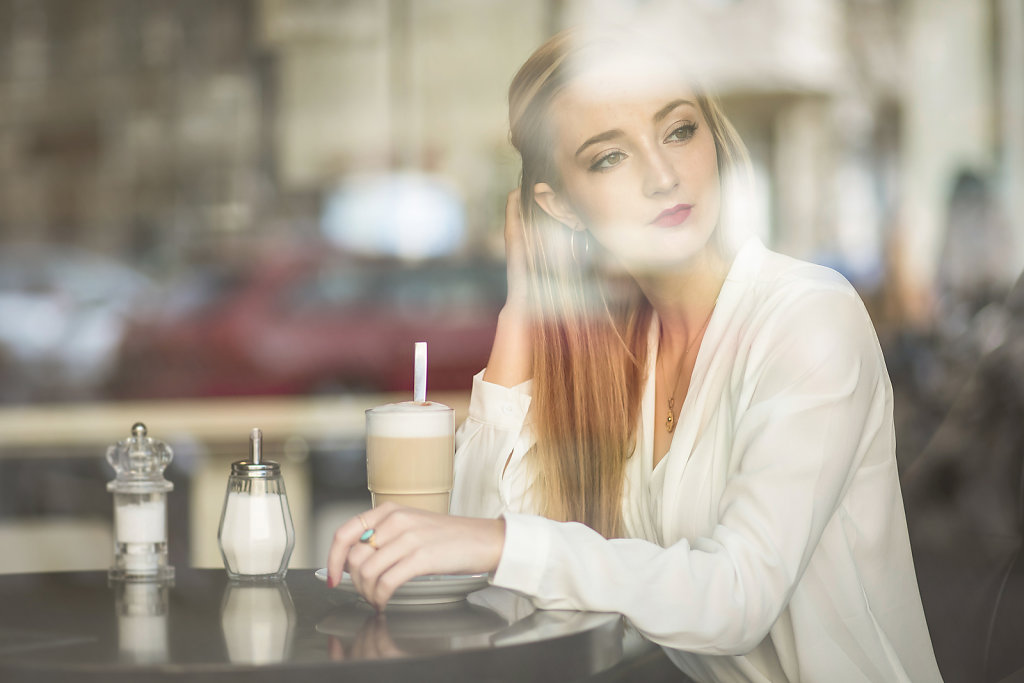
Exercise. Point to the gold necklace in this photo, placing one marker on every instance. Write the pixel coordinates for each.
(670, 418)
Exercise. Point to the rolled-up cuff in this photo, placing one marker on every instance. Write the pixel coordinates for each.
(500, 406)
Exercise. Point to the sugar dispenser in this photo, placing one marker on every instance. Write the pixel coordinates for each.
(256, 535)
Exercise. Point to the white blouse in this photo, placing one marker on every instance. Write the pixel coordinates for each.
(770, 543)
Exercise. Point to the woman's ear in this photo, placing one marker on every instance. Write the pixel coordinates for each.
(555, 206)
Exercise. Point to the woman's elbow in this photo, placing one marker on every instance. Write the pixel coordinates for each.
(736, 624)
(729, 634)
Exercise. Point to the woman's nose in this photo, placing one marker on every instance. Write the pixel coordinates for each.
(660, 175)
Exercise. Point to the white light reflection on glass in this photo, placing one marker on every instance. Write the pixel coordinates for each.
(407, 214)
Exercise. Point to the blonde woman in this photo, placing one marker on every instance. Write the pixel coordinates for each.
(675, 423)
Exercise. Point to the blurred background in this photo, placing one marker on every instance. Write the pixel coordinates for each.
(220, 214)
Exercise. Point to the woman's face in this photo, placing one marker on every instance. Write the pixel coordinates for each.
(638, 165)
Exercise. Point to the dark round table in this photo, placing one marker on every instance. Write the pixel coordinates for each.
(80, 626)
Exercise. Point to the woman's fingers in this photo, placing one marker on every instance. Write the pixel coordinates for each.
(411, 543)
(349, 553)
(398, 556)
(344, 538)
(414, 544)
(390, 581)
(347, 537)
(358, 556)
(398, 560)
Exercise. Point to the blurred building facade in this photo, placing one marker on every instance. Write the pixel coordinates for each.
(131, 128)
(163, 131)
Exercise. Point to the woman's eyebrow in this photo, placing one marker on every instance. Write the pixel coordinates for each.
(670, 107)
(658, 116)
(600, 137)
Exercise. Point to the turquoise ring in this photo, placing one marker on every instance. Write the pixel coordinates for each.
(368, 538)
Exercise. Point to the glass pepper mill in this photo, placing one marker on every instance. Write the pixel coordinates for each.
(256, 535)
(140, 507)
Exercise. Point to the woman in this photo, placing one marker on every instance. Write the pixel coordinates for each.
(702, 428)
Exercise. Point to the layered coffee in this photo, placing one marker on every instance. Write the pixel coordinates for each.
(410, 449)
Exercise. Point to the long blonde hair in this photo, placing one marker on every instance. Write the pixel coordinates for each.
(590, 351)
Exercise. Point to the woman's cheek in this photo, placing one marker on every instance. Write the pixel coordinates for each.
(603, 209)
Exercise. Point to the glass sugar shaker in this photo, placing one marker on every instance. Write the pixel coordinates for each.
(256, 535)
(140, 507)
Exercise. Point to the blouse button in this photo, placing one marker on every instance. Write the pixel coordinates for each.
(507, 409)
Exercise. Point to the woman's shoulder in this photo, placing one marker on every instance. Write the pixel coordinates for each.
(780, 274)
(767, 276)
(792, 298)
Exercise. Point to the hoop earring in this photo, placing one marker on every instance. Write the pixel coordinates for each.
(572, 245)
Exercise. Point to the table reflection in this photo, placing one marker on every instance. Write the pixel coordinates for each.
(141, 609)
(202, 627)
(258, 621)
(357, 631)
(487, 618)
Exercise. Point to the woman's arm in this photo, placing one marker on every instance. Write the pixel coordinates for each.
(494, 435)
(511, 360)
(487, 481)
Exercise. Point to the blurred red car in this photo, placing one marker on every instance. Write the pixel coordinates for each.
(313, 323)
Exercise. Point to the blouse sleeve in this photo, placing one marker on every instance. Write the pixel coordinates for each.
(814, 406)
(490, 477)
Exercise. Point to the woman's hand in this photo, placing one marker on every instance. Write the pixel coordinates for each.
(409, 543)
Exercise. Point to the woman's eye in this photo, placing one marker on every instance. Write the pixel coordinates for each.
(684, 132)
(607, 161)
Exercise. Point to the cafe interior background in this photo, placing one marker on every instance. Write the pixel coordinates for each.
(219, 215)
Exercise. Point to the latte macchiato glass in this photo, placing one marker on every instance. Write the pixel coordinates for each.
(410, 449)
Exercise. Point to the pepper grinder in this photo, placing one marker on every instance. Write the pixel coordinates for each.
(256, 535)
(140, 507)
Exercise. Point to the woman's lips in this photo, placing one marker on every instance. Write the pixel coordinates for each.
(674, 216)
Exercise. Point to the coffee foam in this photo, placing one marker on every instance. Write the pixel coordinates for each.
(410, 420)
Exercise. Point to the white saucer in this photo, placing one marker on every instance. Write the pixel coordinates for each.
(432, 589)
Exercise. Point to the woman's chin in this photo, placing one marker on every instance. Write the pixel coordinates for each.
(657, 257)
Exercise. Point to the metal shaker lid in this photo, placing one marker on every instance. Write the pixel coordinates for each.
(255, 466)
